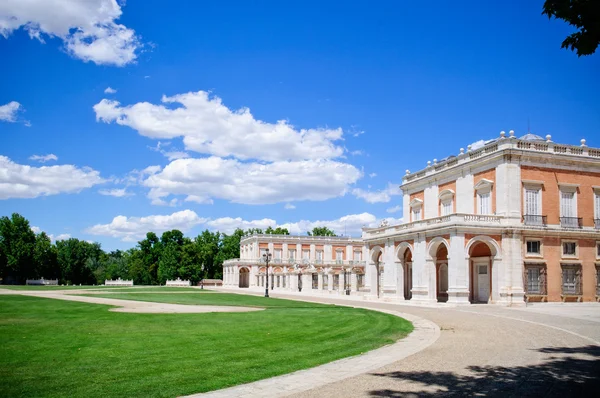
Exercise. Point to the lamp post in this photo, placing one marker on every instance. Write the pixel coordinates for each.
(267, 258)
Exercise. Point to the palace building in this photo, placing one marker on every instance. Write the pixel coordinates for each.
(514, 220)
(323, 264)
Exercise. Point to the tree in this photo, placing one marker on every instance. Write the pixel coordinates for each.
(45, 258)
(582, 14)
(321, 231)
(277, 231)
(73, 255)
(253, 231)
(147, 262)
(17, 242)
(169, 260)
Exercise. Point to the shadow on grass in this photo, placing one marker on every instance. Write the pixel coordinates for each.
(566, 372)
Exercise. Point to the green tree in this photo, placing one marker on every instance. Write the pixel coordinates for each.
(208, 245)
(45, 258)
(168, 263)
(321, 231)
(584, 15)
(17, 242)
(277, 231)
(146, 267)
(229, 248)
(73, 255)
(253, 231)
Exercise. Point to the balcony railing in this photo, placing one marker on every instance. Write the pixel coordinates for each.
(530, 219)
(571, 222)
(597, 223)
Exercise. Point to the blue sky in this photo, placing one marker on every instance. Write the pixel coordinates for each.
(364, 91)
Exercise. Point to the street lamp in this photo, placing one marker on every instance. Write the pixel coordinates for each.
(267, 258)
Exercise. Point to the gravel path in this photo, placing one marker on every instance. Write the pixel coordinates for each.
(488, 351)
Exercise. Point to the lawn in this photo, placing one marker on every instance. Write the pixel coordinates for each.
(52, 348)
(58, 287)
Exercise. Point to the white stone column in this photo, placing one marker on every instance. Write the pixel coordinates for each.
(465, 191)
(353, 282)
(341, 282)
(458, 270)
(312, 255)
(421, 275)
(399, 265)
(508, 191)
(431, 200)
(284, 252)
(389, 269)
(306, 282)
(329, 280)
(510, 265)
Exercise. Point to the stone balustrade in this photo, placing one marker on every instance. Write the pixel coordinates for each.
(118, 282)
(178, 283)
(500, 144)
(42, 281)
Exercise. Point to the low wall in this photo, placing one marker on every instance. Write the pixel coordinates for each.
(118, 282)
(42, 282)
(178, 283)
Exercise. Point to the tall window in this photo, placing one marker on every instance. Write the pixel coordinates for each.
(277, 254)
(292, 254)
(597, 209)
(571, 279)
(569, 248)
(597, 280)
(535, 282)
(485, 205)
(416, 214)
(446, 202)
(305, 254)
(532, 202)
(357, 255)
(339, 255)
(262, 251)
(567, 204)
(319, 255)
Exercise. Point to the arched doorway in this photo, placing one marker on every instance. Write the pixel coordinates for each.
(244, 280)
(405, 274)
(480, 255)
(441, 273)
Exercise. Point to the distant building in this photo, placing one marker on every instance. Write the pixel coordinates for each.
(324, 264)
(513, 220)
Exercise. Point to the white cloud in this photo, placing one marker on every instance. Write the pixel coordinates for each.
(44, 158)
(110, 90)
(131, 229)
(202, 180)
(116, 192)
(356, 153)
(382, 196)
(346, 225)
(373, 175)
(394, 209)
(289, 206)
(22, 181)
(479, 144)
(8, 112)
(207, 126)
(37, 230)
(171, 155)
(228, 225)
(87, 28)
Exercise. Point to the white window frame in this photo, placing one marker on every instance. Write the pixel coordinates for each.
(307, 253)
(339, 254)
(568, 188)
(357, 255)
(484, 189)
(532, 187)
(416, 209)
(529, 280)
(277, 254)
(446, 198)
(541, 253)
(319, 255)
(562, 248)
(596, 204)
(292, 254)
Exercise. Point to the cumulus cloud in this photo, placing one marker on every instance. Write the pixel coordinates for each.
(116, 192)
(110, 90)
(202, 180)
(8, 112)
(43, 158)
(394, 209)
(88, 28)
(36, 230)
(23, 181)
(209, 127)
(173, 154)
(131, 229)
(382, 196)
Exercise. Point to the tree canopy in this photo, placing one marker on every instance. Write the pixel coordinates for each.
(321, 231)
(583, 15)
(25, 255)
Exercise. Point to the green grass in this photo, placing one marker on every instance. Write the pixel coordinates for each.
(52, 348)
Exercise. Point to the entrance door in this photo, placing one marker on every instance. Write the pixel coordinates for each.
(244, 280)
(483, 283)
